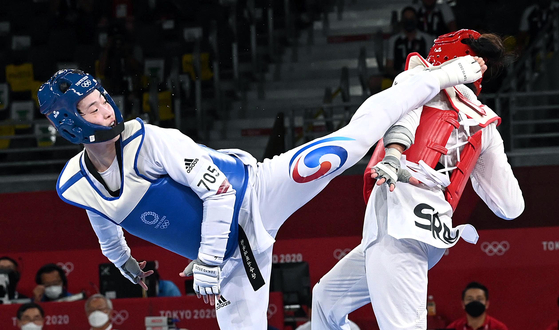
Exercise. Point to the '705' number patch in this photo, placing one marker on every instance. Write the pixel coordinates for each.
(210, 177)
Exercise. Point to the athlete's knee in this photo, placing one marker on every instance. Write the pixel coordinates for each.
(319, 297)
(321, 307)
(318, 292)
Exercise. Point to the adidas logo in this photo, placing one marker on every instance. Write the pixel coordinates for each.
(222, 302)
(189, 164)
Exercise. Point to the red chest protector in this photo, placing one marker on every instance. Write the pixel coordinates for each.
(431, 137)
(434, 130)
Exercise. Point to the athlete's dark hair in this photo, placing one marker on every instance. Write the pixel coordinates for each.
(489, 46)
(49, 268)
(476, 285)
(27, 306)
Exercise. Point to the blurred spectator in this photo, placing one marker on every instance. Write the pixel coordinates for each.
(534, 18)
(435, 18)
(81, 15)
(65, 12)
(122, 9)
(166, 288)
(121, 63)
(98, 309)
(52, 284)
(121, 60)
(163, 288)
(475, 301)
(30, 316)
(554, 325)
(409, 40)
(10, 267)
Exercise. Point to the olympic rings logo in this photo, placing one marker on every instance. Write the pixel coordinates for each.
(145, 215)
(495, 248)
(319, 160)
(152, 218)
(119, 317)
(272, 309)
(164, 224)
(86, 83)
(340, 253)
(68, 267)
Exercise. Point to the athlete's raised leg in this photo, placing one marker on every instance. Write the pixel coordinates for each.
(288, 181)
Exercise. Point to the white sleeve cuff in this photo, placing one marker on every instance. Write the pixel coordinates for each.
(209, 259)
(216, 226)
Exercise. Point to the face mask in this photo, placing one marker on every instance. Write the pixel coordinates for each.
(12, 277)
(53, 291)
(31, 326)
(409, 25)
(97, 319)
(475, 308)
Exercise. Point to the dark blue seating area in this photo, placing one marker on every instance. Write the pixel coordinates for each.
(210, 51)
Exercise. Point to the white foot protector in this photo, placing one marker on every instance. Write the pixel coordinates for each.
(461, 70)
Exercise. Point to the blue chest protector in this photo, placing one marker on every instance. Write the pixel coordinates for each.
(170, 214)
(160, 211)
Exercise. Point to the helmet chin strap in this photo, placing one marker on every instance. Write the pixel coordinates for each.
(106, 135)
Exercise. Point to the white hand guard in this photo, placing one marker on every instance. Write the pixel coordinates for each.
(131, 270)
(461, 70)
(206, 278)
(389, 168)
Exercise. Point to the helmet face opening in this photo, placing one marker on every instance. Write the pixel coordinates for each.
(449, 46)
(58, 101)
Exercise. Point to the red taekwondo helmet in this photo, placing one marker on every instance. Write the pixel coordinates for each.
(451, 45)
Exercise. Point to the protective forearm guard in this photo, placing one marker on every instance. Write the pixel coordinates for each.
(398, 134)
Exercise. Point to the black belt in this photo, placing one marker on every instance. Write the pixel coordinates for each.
(251, 267)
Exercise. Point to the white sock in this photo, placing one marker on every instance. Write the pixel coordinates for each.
(461, 70)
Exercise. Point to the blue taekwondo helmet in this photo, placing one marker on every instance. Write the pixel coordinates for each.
(59, 98)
